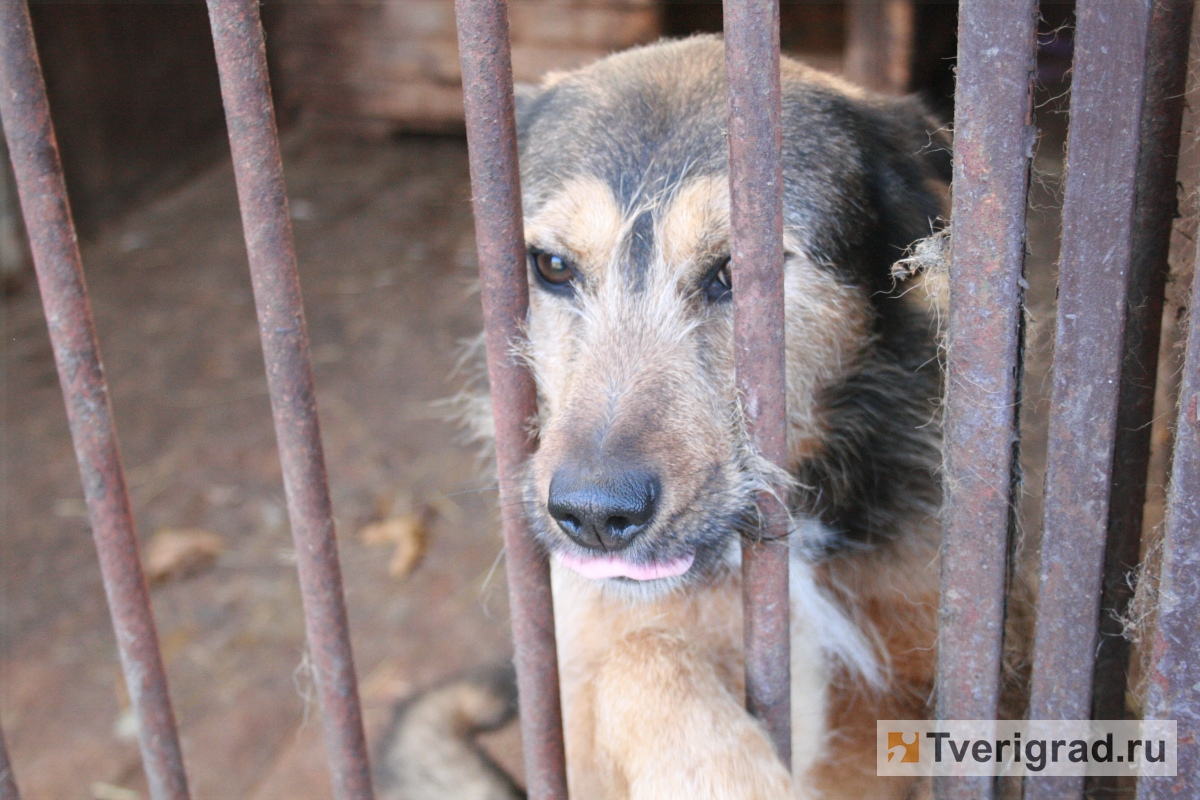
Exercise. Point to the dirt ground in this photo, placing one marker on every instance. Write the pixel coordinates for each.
(387, 264)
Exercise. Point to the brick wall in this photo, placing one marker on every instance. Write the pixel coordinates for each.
(394, 66)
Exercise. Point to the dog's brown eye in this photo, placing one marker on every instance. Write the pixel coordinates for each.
(718, 284)
(554, 271)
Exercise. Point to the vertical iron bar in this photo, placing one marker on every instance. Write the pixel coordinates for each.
(262, 196)
(8, 781)
(483, 45)
(993, 147)
(34, 152)
(1097, 237)
(1157, 201)
(756, 220)
(1173, 685)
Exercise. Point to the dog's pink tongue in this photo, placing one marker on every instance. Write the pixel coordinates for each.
(617, 567)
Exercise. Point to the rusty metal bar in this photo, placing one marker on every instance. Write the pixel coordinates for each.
(994, 135)
(262, 195)
(1157, 202)
(1173, 685)
(8, 781)
(483, 45)
(34, 152)
(756, 219)
(1097, 238)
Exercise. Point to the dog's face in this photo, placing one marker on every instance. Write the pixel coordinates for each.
(643, 470)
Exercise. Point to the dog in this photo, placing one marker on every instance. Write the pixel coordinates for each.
(644, 481)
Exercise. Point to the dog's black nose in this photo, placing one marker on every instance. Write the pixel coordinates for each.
(604, 512)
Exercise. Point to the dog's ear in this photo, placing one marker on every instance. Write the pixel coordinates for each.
(909, 172)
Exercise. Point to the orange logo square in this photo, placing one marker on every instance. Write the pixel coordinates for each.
(909, 751)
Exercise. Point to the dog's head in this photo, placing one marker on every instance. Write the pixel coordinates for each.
(643, 470)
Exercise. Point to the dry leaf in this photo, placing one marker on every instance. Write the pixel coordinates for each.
(106, 791)
(408, 532)
(408, 551)
(386, 684)
(172, 554)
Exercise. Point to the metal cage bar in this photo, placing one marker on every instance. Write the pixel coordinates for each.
(258, 169)
(500, 237)
(756, 221)
(1097, 237)
(1173, 684)
(1156, 207)
(34, 151)
(1119, 202)
(8, 781)
(1157, 203)
(994, 137)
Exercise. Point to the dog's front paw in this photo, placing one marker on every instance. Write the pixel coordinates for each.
(667, 727)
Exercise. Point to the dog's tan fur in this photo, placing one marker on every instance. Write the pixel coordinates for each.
(633, 365)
